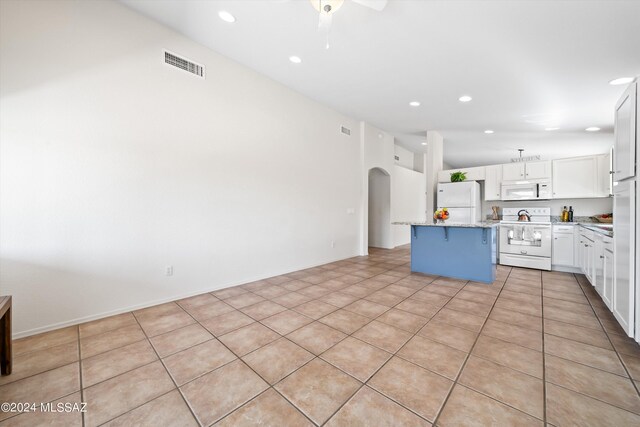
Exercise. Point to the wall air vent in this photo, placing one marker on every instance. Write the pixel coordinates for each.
(183, 64)
(345, 130)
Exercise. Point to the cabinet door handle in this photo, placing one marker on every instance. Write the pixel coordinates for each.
(601, 256)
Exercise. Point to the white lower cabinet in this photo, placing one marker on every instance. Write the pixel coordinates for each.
(607, 267)
(598, 264)
(562, 251)
(587, 252)
(590, 262)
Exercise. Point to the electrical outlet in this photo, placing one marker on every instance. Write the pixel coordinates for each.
(333, 244)
(169, 271)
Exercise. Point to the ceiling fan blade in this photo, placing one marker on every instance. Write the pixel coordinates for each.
(372, 4)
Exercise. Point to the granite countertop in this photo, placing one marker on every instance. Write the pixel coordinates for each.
(483, 224)
(593, 225)
(598, 228)
(576, 220)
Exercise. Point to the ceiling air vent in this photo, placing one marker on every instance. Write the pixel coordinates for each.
(345, 130)
(183, 64)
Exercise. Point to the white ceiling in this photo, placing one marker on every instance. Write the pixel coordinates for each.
(527, 64)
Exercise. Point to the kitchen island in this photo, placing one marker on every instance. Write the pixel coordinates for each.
(460, 251)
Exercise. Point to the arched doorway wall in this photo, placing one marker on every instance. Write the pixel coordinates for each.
(379, 209)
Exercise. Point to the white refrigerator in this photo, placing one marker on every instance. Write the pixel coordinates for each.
(626, 293)
(462, 200)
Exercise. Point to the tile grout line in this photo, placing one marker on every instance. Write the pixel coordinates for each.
(84, 421)
(208, 372)
(544, 354)
(593, 367)
(572, 340)
(270, 386)
(350, 335)
(240, 357)
(166, 370)
(395, 354)
(139, 406)
(315, 357)
(49, 370)
(149, 341)
(504, 366)
(318, 356)
(464, 363)
(624, 366)
(365, 383)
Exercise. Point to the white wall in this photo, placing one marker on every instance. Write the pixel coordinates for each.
(418, 162)
(377, 148)
(432, 167)
(114, 166)
(581, 207)
(405, 157)
(380, 209)
(408, 202)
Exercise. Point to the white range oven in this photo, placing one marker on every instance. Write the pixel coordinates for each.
(525, 238)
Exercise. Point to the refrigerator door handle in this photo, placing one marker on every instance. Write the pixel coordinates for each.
(537, 191)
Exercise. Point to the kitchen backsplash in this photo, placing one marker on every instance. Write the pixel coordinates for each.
(581, 207)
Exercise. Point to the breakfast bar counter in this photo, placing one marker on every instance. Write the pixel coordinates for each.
(460, 251)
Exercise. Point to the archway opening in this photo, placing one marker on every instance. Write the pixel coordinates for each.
(379, 218)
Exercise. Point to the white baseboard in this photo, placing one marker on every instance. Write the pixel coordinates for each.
(565, 269)
(147, 304)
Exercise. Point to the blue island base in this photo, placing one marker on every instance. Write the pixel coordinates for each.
(467, 253)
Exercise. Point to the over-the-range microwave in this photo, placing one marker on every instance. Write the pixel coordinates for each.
(526, 189)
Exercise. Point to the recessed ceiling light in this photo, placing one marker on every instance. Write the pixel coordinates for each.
(488, 131)
(295, 59)
(621, 81)
(551, 128)
(414, 103)
(424, 143)
(592, 129)
(465, 98)
(226, 16)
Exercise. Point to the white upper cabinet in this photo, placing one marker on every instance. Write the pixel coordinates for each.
(529, 170)
(581, 177)
(624, 148)
(473, 174)
(575, 177)
(513, 171)
(604, 184)
(492, 182)
(537, 170)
